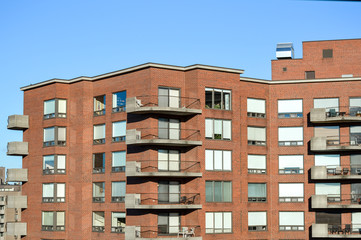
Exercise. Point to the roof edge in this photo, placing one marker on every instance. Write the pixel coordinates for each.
(271, 82)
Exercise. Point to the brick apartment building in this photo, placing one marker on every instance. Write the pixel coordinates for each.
(162, 152)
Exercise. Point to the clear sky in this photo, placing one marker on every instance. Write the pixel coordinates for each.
(42, 39)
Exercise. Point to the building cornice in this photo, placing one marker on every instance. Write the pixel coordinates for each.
(298, 81)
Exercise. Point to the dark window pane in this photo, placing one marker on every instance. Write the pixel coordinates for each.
(327, 53)
(310, 74)
(328, 218)
(217, 99)
(208, 99)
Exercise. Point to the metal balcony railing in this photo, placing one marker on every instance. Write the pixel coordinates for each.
(169, 133)
(168, 101)
(354, 140)
(354, 111)
(176, 231)
(169, 166)
(344, 199)
(343, 169)
(169, 198)
(344, 229)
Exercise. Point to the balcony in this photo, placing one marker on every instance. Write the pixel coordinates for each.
(322, 230)
(332, 115)
(163, 201)
(162, 232)
(177, 106)
(158, 168)
(333, 144)
(344, 201)
(18, 149)
(18, 122)
(17, 175)
(17, 202)
(176, 138)
(336, 172)
(16, 228)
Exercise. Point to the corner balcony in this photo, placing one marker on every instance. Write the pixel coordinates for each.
(159, 168)
(17, 202)
(163, 137)
(344, 201)
(336, 172)
(18, 122)
(163, 201)
(162, 232)
(17, 175)
(170, 105)
(333, 144)
(323, 230)
(18, 149)
(333, 115)
(16, 228)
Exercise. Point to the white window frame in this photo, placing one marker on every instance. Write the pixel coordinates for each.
(214, 226)
(290, 169)
(291, 226)
(256, 169)
(290, 141)
(258, 140)
(211, 129)
(213, 163)
(223, 103)
(261, 217)
(256, 107)
(290, 192)
(287, 108)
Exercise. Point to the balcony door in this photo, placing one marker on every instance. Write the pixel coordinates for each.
(168, 128)
(168, 192)
(168, 97)
(168, 223)
(168, 160)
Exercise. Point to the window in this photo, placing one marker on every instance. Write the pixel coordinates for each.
(355, 163)
(218, 160)
(119, 131)
(257, 192)
(257, 164)
(327, 53)
(331, 133)
(290, 192)
(218, 129)
(291, 221)
(355, 106)
(329, 160)
(99, 105)
(257, 221)
(168, 160)
(98, 162)
(256, 107)
(217, 191)
(168, 128)
(98, 192)
(118, 161)
(256, 136)
(310, 75)
(356, 221)
(54, 136)
(53, 221)
(218, 222)
(218, 98)
(98, 222)
(332, 190)
(99, 134)
(168, 223)
(55, 108)
(54, 164)
(290, 136)
(290, 108)
(119, 101)
(118, 222)
(355, 193)
(290, 164)
(330, 104)
(118, 191)
(355, 135)
(53, 192)
(168, 192)
(168, 97)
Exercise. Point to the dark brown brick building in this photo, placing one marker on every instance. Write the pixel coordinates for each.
(158, 151)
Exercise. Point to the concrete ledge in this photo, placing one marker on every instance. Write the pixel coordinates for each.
(318, 115)
(134, 233)
(18, 149)
(17, 175)
(16, 228)
(320, 173)
(319, 144)
(319, 230)
(17, 202)
(18, 122)
(164, 142)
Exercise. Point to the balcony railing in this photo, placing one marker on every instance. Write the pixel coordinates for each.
(184, 231)
(343, 170)
(344, 199)
(334, 114)
(169, 166)
(350, 142)
(169, 198)
(344, 229)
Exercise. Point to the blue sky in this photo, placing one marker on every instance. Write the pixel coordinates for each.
(43, 39)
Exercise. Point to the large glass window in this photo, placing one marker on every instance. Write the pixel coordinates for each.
(218, 160)
(99, 105)
(168, 128)
(118, 161)
(291, 221)
(290, 192)
(290, 136)
(257, 221)
(53, 221)
(330, 104)
(168, 97)
(257, 192)
(218, 222)
(118, 222)
(99, 134)
(356, 221)
(291, 108)
(168, 223)
(218, 98)
(118, 191)
(168, 192)
(218, 191)
(355, 106)
(98, 162)
(329, 160)
(55, 108)
(355, 135)
(119, 131)
(54, 136)
(98, 222)
(290, 164)
(256, 107)
(257, 164)
(218, 129)
(54, 164)
(98, 192)
(53, 192)
(119, 101)
(256, 136)
(168, 160)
